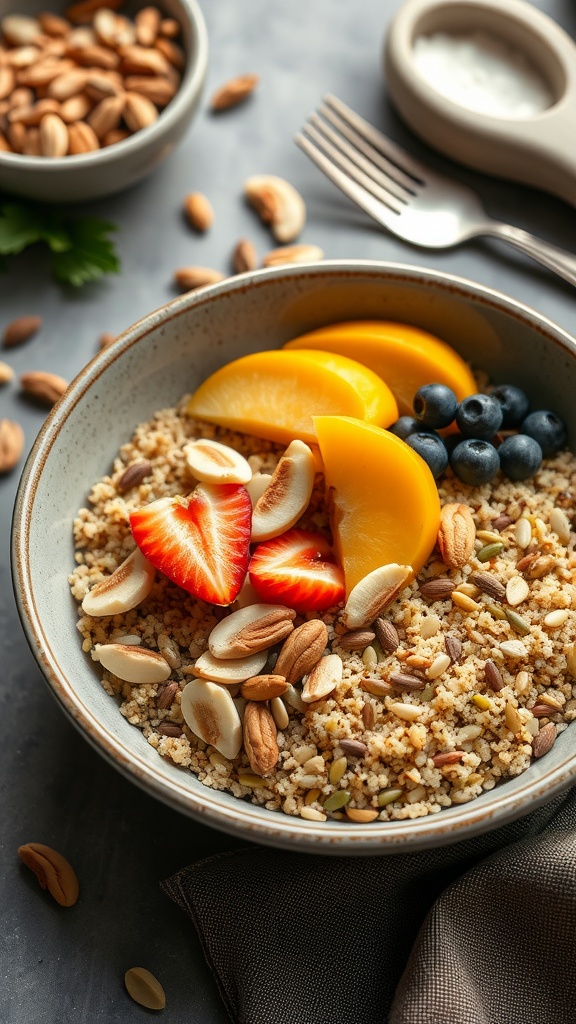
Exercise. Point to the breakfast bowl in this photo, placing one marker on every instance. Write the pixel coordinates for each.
(171, 352)
(77, 133)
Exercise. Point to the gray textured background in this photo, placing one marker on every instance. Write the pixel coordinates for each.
(60, 966)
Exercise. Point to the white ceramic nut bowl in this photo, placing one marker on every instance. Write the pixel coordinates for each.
(149, 367)
(106, 171)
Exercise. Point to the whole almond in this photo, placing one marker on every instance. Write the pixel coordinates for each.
(437, 589)
(263, 687)
(144, 988)
(11, 444)
(100, 84)
(147, 23)
(53, 872)
(53, 136)
(244, 257)
(20, 29)
(67, 85)
(373, 593)
(44, 72)
(75, 109)
(456, 534)
(361, 815)
(106, 339)
(137, 60)
(44, 387)
(115, 136)
(293, 254)
(189, 278)
(139, 112)
(544, 740)
(133, 475)
(198, 210)
(6, 373)
(32, 115)
(260, 739)
(53, 25)
(356, 639)
(22, 56)
(106, 115)
(302, 650)
(153, 87)
(20, 330)
(83, 10)
(7, 81)
(82, 138)
(174, 54)
(488, 583)
(387, 635)
(234, 92)
(170, 28)
(97, 56)
(17, 136)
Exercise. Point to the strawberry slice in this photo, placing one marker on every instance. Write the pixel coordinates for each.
(298, 569)
(201, 542)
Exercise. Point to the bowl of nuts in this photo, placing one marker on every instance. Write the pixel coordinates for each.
(315, 583)
(94, 96)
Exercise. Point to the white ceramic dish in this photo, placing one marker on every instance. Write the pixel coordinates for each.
(106, 171)
(150, 366)
(538, 150)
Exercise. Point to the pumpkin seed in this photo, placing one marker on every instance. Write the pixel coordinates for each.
(388, 796)
(312, 795)
(519, 625)
(489, 551)
(336, 801)
(495, 611)
(253, 781)
(427, 693)
(337, 769)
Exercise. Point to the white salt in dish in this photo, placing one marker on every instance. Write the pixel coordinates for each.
(492, 85)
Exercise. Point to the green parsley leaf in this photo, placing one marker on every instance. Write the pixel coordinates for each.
(19, 228)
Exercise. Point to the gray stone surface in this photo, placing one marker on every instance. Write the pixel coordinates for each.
(58, 965)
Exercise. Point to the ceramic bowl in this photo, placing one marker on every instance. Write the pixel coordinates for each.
(149, 367)
(106, 171)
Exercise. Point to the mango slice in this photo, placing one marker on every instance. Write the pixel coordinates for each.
(384, 500)
(404, 356)
(275, 394)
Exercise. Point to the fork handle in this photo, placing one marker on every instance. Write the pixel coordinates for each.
(559, 260)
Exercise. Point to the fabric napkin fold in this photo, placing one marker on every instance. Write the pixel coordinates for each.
(480, 932)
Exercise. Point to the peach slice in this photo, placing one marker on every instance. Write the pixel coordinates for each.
(275, 394)
(384, 500)
(404, 356)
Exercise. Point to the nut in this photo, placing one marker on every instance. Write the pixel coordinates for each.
(244, 257)
(53, 136)
(373, 593)
(198, 211)
(544, 740)
(293, 254)
(493, 677)
(437, 589)
(234, 92)
(144, 988)
(449, 757)
(323, 678)
(356, 639)
(260, 738)
(287, 496)
(138, 112)
(353, 748)
(279, 205)
(361, 815)
(125, 589)
(456, 534)
(210, 712)
(302, 650)
(20, 330)
(263, 687)
(229, 671)
(133, 475)
(133, 664)
(6, 373)
(53, 872)
(250, 629)
(488, 583)
(82, 139)
(11, 444)
(216, 463)
(517, 590)
(406, 681)
(47, 388)
(189, 278)
(453, 648)
(279, 713)
(387, 635)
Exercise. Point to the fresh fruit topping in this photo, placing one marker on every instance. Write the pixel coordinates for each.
(257, 485)
(547, 428)
(125, 589)
(435, 406)
(513, 402)
(404, 356)
(288, 494)
(479, 416)
(385, 505)
(216, 463)
(200, 542)
(210, 712)
(475, 461)
(298, 569)
(520, 457)
(374, 592)
(275, 394)
(404, 426)
(432, 449)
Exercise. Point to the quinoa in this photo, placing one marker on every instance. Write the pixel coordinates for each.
(401, 773)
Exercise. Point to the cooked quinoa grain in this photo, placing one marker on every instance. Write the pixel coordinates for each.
(491, 674)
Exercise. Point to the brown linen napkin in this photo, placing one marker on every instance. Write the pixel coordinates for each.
(481, 932)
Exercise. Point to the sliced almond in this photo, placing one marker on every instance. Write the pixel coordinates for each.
(323, 678)
(250, 629)
(189, 278)
(373, 593)
(287, 496)
(279, 205)
(293, 254)
(260, 739)
(257, 485)
(263, 687)
(209, 711)
(139, 112)
(53, 136)
(133, 664)
(216, 463)
(231, 670)
(234, 92)
(125, 589)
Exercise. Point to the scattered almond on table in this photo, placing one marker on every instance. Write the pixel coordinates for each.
(45, 387)
(234, 92)
(11, 445)
(144, 988)
(199, 212)
(20, 330)
(53, 872)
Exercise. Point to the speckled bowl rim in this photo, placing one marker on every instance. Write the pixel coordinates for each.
(238, 817)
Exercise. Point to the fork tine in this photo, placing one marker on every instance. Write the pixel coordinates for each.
(379, 177)
(403, 160)
(352, 189)
(391, 171)
(351, 169)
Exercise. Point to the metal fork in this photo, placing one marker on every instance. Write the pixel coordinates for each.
(404, 195)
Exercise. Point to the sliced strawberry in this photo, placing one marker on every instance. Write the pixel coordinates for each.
(201, 542)
(297, 569)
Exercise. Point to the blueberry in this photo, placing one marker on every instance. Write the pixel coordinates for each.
(405, 426)
(520, 457)
(475, 461)
(547, 428)
(479, 416)
(432, 449)
(435, 405)
(513, 402)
